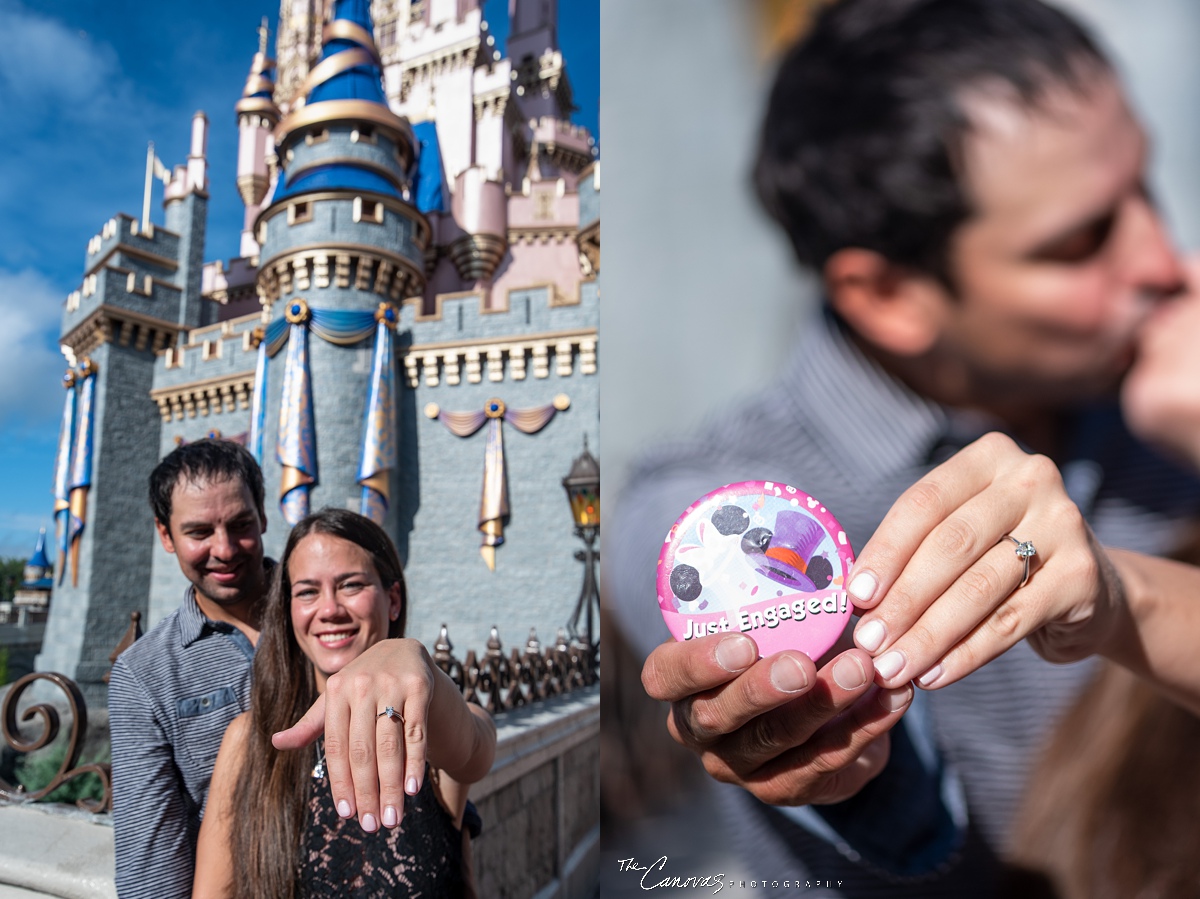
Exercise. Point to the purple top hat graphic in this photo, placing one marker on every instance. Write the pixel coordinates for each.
(786, 556)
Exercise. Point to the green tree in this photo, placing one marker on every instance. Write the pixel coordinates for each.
(36, 770)
(12, 572)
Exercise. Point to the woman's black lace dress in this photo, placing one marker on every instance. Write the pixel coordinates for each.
(420, 858)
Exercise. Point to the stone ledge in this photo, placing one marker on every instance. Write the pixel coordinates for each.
(55, 851)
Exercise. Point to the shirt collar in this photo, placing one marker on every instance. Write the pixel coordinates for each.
(194, 624)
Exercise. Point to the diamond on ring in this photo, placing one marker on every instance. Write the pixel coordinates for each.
(1025, 551)
(391, 713)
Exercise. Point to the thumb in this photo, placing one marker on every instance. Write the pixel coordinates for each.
(304, 731)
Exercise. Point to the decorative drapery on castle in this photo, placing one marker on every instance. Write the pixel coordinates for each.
(296, 444)
(493, 500)
(62, 472)
(73, 464)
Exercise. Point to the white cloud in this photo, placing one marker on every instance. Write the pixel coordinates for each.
(46, 62)
(31, 367)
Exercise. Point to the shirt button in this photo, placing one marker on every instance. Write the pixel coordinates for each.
(206, 702)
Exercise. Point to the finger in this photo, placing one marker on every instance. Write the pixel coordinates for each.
(416, 742)
(338, 746)
(836, 688)
(304, 731)
(951, 549)
(389, 754)
(771, 682)
(1057, 606)
(839, 759)
(979, 594)
(364, 768)
(675, 671)
(919, 510)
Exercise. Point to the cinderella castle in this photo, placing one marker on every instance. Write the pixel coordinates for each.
(410, 329)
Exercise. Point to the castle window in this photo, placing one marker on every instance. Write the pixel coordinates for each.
(387, 34)
(299, 212)
(363, 135)
(210, 349)
(368, 211)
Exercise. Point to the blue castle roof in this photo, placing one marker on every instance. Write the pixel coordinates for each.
(362, 82)
(38, 559)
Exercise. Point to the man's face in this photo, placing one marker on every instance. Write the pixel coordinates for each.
(215, 532)
(1065, 256)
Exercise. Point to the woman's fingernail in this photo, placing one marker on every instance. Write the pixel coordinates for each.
(848, 673)
(895, 700)
(369, 824)
(788, 675)
(344, 808)
(870, 634)
(410, 786)
(389, 816)
(930, 677)
(863, 587)
(890, 664)
(736, 653)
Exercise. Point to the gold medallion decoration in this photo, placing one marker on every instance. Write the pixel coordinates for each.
(297, 312)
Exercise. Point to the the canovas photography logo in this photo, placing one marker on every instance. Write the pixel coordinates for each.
(656, 876)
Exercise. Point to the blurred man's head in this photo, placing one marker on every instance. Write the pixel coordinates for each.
(967, 176)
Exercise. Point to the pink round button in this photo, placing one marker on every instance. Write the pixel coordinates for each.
(759, 557)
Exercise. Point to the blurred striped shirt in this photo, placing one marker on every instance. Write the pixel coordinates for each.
(837, 426)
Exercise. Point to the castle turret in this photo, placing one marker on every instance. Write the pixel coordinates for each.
(141, 289)
(342, 247)
(257, 116)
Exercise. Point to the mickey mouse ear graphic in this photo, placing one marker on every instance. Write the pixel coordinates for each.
(760, 557)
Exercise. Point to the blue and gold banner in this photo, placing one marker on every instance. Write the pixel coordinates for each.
(81, 464)
(296, 447)
(493, 499)
(379, 433)
(62, 473)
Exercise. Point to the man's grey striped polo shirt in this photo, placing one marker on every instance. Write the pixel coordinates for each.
(170, 698)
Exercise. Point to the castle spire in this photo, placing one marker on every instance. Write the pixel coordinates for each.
(345, 88)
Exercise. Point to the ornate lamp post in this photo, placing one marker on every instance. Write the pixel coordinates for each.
(583, 494)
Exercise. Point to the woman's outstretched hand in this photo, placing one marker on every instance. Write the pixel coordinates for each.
(941, 579)
(373, 760)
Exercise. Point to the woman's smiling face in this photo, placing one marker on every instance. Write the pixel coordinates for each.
(339, 605)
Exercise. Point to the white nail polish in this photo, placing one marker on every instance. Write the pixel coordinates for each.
(890, 664)
(863, 586)
(410, 786)
(870, 635)
(343, 808)
(390, 818)
(930, 677)
(368, 824)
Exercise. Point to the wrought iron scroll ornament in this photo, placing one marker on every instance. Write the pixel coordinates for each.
(50, 725)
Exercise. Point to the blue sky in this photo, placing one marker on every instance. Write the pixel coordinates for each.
(83, 87)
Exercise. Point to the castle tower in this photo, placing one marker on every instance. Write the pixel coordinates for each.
(140, 290)
(340, 244)
(257, 116)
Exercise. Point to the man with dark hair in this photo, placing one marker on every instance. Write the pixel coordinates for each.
(968, 179)
(173, 693)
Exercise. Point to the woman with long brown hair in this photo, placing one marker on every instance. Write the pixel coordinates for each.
(270, 828)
